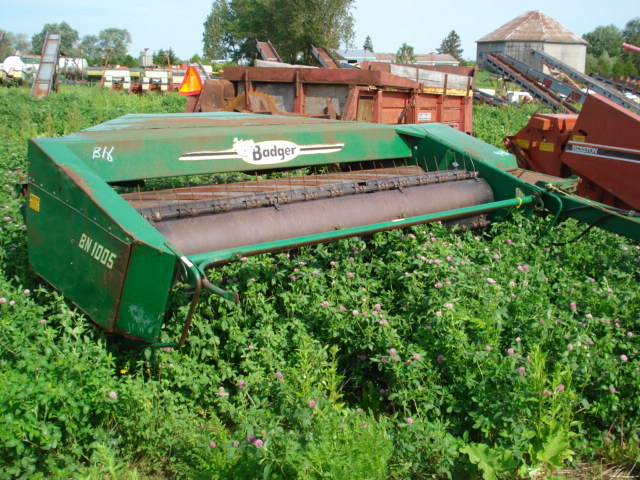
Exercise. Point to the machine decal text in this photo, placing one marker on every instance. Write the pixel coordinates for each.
(97, 251)
(263, 153)
(583, 149)
(103, 153)
(273, 153)
(605, 151)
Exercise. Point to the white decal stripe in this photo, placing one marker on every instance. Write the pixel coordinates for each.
(205, 156)
(231, 153)
(322, 147)
(222, 154)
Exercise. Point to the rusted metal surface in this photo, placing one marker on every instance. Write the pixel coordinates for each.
(605, 151)
(376, 95)
(217, 94)
(628, 85)
(560, 89)
(201, 218)
(324, 57)
(235, 228)
(316, 75)
(523, 78)
(584, 79)
(216, 198)
(267, 52)
(533, 25)
(446, 79)
(45, 78)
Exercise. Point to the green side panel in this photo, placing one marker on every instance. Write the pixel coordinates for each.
(146, 293)
(76, 255)
(438, 139)
(54, 168)
(152, 146)
(90, 244)
(67, 182)
(443, 148)
(592, 213)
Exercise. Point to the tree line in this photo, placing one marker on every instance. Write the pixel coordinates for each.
(108, 46)
(604, 50)
(232, 28)
(294, 27)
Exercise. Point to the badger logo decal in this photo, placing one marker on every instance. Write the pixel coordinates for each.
(263, 153)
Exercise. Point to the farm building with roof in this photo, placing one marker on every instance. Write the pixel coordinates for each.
(534, 30)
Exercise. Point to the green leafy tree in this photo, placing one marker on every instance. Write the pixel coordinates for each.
(90, 49)
(165, 57)
(116, 41)
(591, 64)
(622, 68)
(631, 35)
(451, 45)
(68, 38)
(129, 61)
(21, 42)
(631, 31)
(605, 64)
(368, 44)
(13, 42)
(604, 39)
(220, 38)
(292, 26)
(405, 54)
(6, 44)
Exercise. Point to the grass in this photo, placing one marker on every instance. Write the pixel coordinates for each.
(385, 358)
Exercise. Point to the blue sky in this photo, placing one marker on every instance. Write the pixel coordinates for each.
(160, 24)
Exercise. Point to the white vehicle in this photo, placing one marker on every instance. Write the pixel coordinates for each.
(157, 79)
(16, 70)
(117, 79)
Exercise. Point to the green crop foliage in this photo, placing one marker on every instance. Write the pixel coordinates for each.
(426, 353)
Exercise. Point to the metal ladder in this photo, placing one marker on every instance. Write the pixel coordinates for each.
(529, 83)
(591, 83)
(569, 91)
(201, 71)
(618, 84)
(323, 56)
(268, 52)
(46, 75)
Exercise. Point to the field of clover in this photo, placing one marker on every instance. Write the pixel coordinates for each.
(510, 352)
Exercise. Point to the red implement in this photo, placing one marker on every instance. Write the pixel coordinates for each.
(601, 145)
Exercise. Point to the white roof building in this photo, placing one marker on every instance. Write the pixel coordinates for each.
(530, 30)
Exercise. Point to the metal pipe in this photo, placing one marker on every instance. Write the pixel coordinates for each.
(239, 228)
(324, 189)
(208, 260)
(188, 321)
(627, 47)
(230, 296)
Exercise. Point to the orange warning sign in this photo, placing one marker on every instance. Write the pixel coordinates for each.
(191, 84)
